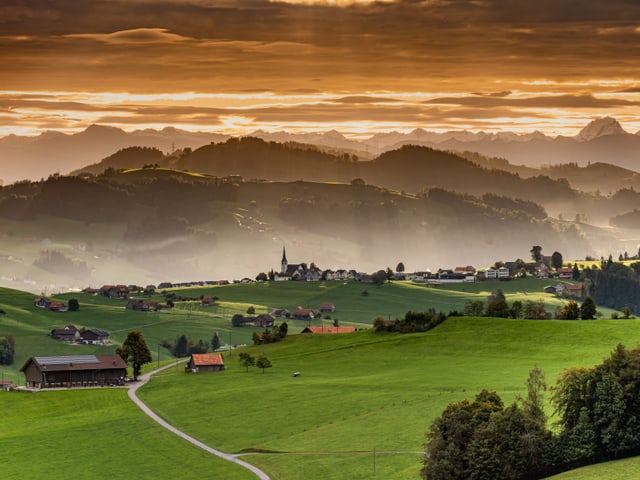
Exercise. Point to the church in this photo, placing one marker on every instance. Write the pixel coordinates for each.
(296, 272)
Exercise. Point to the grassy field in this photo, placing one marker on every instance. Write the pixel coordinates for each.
(626, 469)
(365, 391)
(358, 410)
(97, 434)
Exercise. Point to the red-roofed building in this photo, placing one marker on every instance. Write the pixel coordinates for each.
(305, 313)
(322, 330)
(328, 307)
(205, 362)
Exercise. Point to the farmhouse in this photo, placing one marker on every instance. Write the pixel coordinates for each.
(304, 313)
(327, 307)
(322, 330)
(72, 371)
(205, 362)
(67, 334)
(94, 336)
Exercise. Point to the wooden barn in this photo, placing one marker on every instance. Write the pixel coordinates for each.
(74, 371)
(205, 362)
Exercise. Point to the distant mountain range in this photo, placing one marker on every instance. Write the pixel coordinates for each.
(602, 140)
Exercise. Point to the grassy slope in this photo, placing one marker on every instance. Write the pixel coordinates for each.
(363, 391)
(97, 434)
(357, 392)
(626, 469)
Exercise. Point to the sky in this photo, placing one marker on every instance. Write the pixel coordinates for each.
(315, 65)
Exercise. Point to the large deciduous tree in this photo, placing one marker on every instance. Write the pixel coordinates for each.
(135, 350)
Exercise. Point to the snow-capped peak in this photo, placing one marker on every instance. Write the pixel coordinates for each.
(599, 128)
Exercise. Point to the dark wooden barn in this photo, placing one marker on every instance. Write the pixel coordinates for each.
(74, 371)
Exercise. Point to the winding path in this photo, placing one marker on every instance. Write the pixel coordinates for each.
(142, 379)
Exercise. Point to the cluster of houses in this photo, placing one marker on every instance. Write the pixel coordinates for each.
(87, 336)
(46, 303)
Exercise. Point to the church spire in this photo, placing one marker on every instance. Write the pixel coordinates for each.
(283, 262)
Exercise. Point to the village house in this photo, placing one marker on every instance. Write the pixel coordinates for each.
(94, 336)
(114, 291)
(67, 334)
(281, 313)
(142, 306)
(305, 313)
(41, 302)
(74, 371)
(565, 272)
(205, 362)
(327, 308)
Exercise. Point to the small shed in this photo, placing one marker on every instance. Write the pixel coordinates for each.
(205, 362)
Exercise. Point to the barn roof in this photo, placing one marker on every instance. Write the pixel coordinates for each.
(207, 359)
(328, 330)
(77, 362)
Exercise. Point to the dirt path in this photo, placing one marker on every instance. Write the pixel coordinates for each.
(142, 379)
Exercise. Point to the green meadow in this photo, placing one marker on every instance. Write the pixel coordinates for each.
(359, 409)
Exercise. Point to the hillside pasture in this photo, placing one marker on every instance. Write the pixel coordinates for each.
(98, 434)
(364, 391)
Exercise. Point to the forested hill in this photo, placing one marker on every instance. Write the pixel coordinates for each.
(410, 168)
(183, 224)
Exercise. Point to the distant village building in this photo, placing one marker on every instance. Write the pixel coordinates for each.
(205, 362)
(89, 336)
(74, 371)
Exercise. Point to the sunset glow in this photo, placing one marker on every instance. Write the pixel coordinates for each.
(314, 65)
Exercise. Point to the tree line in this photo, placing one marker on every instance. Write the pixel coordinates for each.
(484, 439)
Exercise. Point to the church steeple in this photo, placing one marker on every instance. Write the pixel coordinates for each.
(283, 262)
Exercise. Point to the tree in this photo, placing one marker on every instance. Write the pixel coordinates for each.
(390, 274)
(516, 309)
(400, 267)
(379, 278)
(246, 360)
(556, 260)
(263, 362)
(261, 277)
(181, 346)
(588, 309)
(215, 342)
(498, 309)
(535, 310)
(73, 305)
(473, 308)
(283, 329)
(251, 310)
(536, 253)
(571, 311)
(7, 350)
(575, 274)
(135, 350)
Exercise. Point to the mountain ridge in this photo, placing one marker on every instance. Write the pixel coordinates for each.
(601, 140)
